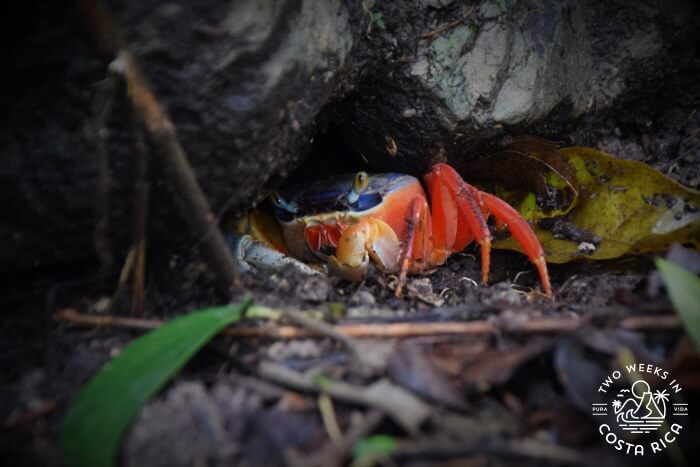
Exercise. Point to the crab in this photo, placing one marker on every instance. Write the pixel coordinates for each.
(389, 219)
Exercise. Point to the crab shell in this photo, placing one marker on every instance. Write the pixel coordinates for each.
(324, 210)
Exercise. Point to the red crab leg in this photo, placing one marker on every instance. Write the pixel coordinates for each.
(415, 247)
(449, 230)
(523, 234)
(477, 206)
(471, 209)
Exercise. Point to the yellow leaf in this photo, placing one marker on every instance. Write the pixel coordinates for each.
(623, 207)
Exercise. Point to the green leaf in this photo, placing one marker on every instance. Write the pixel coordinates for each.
(94, 423)
(378, 19)
(322, 381)
(684, 290)
(374, 446)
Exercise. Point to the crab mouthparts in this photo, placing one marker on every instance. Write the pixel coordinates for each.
(324, 238)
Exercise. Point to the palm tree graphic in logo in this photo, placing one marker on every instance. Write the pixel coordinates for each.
(637, 410)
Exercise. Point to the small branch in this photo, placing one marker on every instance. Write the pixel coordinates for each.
(397, 330)
(71, 316)
(124, 276)
(446, 26)
(482, 327)
(141, 197)
(194, 206)
(401, 405)
(96, 134)
(367, 11)
(329, 418)
(27, 417)
(160, 130)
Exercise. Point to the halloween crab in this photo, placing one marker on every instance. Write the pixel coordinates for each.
(386, 218)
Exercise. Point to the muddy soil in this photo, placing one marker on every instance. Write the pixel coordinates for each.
(249, 421)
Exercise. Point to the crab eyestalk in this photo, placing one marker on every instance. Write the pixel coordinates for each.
(359, 184)
(281, 203)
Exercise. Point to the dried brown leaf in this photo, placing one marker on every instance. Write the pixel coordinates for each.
(495, 367)
(409, 367)
(524, 165)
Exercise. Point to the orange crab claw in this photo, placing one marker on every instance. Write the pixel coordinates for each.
(370, 237)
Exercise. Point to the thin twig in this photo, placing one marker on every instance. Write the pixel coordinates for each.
(397, 330)
(124, 276)
(160, 130)
(367, 11)
(401, 405)
(446, 26)
(29, 416)
(193, 203)
(566, 283)
(96, 134)
(141, 198)
(330, 420)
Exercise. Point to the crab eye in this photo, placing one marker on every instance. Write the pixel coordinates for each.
(360, 183)
(276, 199)
(282, 204)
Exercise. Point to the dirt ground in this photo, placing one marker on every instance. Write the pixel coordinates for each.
(493, 399)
